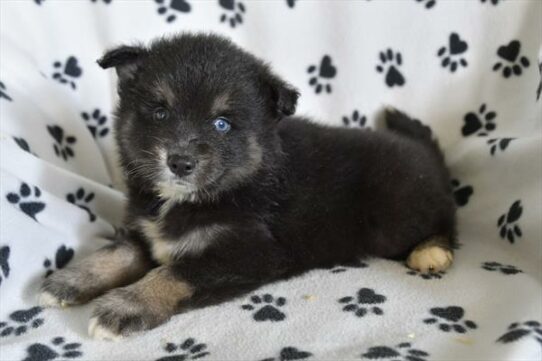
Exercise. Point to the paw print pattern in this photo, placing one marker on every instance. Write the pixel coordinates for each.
(28, 200)
(21, 320)
(38, 2)
(480, 123)
(428, 3)
(506, 269)
(170, 11)
(290, 354)
(462, 193)
(268, 307)
(390, 63)
(511, 62)
(356, 120)
(427, 276)
(68, 72)
(508, 222)
(81, 199)
(498, 144)
(359, 305)
(23, 144)
(322, 74)
(96, 123)
(63, 143)
(291, 3)
(493, 2)
(449, 319)
(3, 94)
(63, 256)
(188, 350)
(107, 2)
(517, 331)
(452, 55)
(344, 266)
(4, 263)
(58, 348)
(234, 12)
(401, 352)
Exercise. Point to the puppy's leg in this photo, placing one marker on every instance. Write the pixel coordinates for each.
(112, 266)
(433, 255)
(230, 268)
(142, 305)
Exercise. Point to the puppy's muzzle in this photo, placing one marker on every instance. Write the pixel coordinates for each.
(181, 165)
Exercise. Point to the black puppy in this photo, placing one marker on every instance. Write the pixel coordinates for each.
(227, 192)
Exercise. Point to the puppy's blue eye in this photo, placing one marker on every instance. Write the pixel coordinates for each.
(222, 125)
(160, 114)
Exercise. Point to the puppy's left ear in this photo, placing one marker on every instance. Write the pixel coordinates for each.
(125, 59)
(283, 95)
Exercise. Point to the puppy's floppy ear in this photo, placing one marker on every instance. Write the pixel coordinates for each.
(283, 95)
(125, 59)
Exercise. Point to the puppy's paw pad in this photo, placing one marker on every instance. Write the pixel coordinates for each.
(430, 259)
(100, 332)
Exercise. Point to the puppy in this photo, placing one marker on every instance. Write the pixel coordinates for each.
(227, 191)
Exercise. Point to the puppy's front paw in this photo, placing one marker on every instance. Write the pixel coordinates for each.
(120, 313)
(430, 258)
(64, 288)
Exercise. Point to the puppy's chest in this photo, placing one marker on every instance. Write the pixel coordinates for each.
(170, 237)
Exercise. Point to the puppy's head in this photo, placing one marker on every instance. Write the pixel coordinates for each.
(197, 114)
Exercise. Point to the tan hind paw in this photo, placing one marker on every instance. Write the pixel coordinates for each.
(430, 256)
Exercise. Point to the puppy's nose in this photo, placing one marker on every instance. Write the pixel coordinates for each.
(180, 165)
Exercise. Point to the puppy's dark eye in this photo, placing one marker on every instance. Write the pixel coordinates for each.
(222, 125)
(160, 114)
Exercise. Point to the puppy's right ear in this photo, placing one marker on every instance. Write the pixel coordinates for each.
(125, 59)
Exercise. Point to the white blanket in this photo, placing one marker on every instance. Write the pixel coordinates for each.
(469, 69)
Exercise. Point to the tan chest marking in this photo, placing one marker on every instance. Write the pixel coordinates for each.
(165, 250)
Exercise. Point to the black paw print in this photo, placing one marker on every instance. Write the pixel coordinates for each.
(67, 72)
(4, 263)
(511, 54)
(175, 6)
(539, 90)
(427, 276)
(481, 123)
(38, 2)
(493, 2)
(234, 12)
(23, 144)
(107, 2)
(390, 63)
(506, 269)
(451, 55)
(62, 149)
(517, 331)
(23, 319)
(401, 352)
(355, 120)
(268, 307)
(56, 349)
(27, 202)
(508, 222)
(63, 256)
(3, 93)
(365, 296)
(290, 354)
(291, 3)
(448, 319)
(345, 265)
(498, 143)
(96, 123)
(320, 75)
(428, 3)
(188, 350)
(81, 199)
(462, 193)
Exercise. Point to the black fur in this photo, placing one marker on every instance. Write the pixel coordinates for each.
(314, 197)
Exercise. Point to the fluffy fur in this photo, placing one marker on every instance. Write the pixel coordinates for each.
(275, 196)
